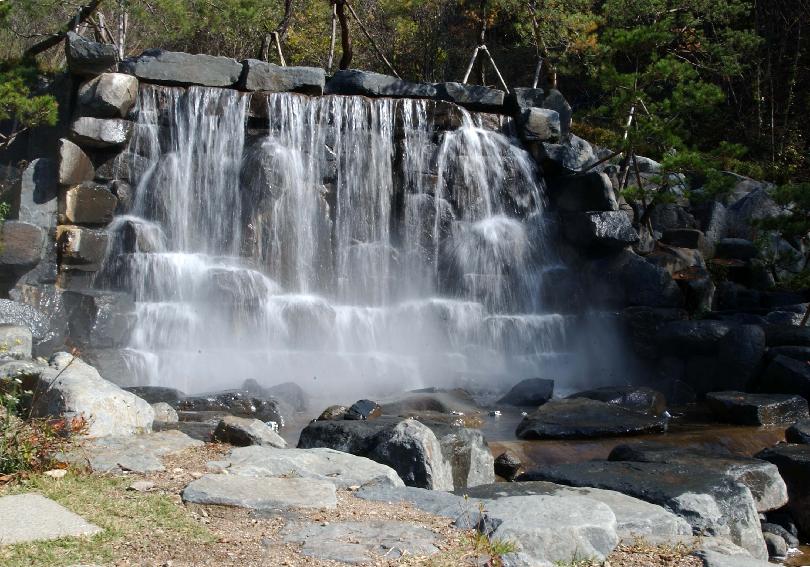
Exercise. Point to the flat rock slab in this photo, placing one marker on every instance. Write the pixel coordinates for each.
(757, 409)
(715, 559)
(137, 453)
(584, 418)
(341, 469)
(361, 542)
(263, 494)
(436, 502)
(32, 517)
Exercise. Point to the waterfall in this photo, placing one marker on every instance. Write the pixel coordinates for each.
(349, 244)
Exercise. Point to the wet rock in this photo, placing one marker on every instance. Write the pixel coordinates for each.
(356, 82)
(157, 394)
(242, 431)
(540, 124)
(474, 97)
(238, 403)
(712, 503)
(110, 95)
(89, 58)
(435, 401)
(288, 392)
(777, 546)
(601, 231)
(74, 165)
(684, 238)
(333, 413)
(467, 452)
(100, 132)
(757, 409)
(262, 76)
(762, 478)
(786, 376)
(46, 336)
(793, 462)
(363, 409)
(575, 154)
(82, 246)
(584, 192)
(531, 392)
(176, 68)
(361, 542)
(692, 337)
(643, 323)
(785, 535)
(102, 319)
(88, 204)
(799, 432)
(164, 413)
(38, 193)
(15, 342)
(70, 388)
(507, 466)
(262, 494)
(21, 247)
(585, 419)
(787, 335)
(641, 399)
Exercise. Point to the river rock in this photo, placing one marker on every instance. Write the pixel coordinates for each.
(262, 494)
(584, 192)
(762, 478)
(15, 342)
(366, 83)
(89, 58)
(507, 466)
(531, 392)
(777, 546)
(599, 231)
(790, 539)
(176, 68)
(74, 165)
(342, 469)
(585, 419)
(540, 124)
(88, 204)
(71, 388)
(363, 409)
(110, 95)
(332, 413)
(757, 409)
(261, 76)
(793, 462)
(38, 193)
(100, 132)
(786, 376)
(799, 432)
(238, 403)
(640, 399)
(711, 502)
(164, 413)
(242, 431)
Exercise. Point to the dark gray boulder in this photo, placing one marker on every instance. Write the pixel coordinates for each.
(238, 403)
(21, 246)
(736, 249)
(74, 166)
(87, 204)
(363, 409)
(793, 462)
(740, 355)
(540, 124)
(639, 399)
(38, 193)
(787, 335)
(757, 409)
(762, 478)
(799, 432)
(468, 453)
(521, 98)
(531, 392)
(785, 375)
(642, 324)
(777, 546)
(627, 279)
(157, 394)
(474, 97)
(356, 82)
(599, 231)
(262, 76)
(692, 337)
(245, 431)
(592, 191)
(89, 58)
(507, 466)
(776, 529)
(684, 238)
(712, 503)
(556, 101)
(176, 68)
(572, 155)
(585, 419)
(111, 95)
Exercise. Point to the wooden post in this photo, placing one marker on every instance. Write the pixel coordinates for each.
(332, 42)
(470, 66)
(494, 66)
(278, 49)
(537, 72)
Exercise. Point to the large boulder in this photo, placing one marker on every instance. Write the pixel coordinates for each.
(176, 68)
(793, 462)
(556, 101)
(754, 206)
(531, 392)
(627, 279)
(638, 399)
(762, 478)
(88, 204)
(592, 191)
(540, 124)
(243, 431)
(583, 418)
(74, 165)
(356, 82)
(712, 503)
(757, 409)
(599, 231)
(15, 342)
(71, 388)
(38, 193)
(785, 375)
(475, 97)
(81, 246)
(89, 58)
(261, 76)
(21, 246)
(238, 403)
(468, 453)
(799, 432)
(692, 337)
(93, 132)
(642, 325)
(520, 99)
(47, 334)
(574, 154)
(111, 95)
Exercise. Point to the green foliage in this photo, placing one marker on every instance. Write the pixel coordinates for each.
(795, 198)
(20, 103)
(5, 209)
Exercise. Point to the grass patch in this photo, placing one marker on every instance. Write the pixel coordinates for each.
(129, 519)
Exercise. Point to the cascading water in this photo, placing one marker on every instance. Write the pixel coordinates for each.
(348, 244)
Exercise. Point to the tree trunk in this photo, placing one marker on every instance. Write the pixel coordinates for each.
(345, 35)
(57, 38)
